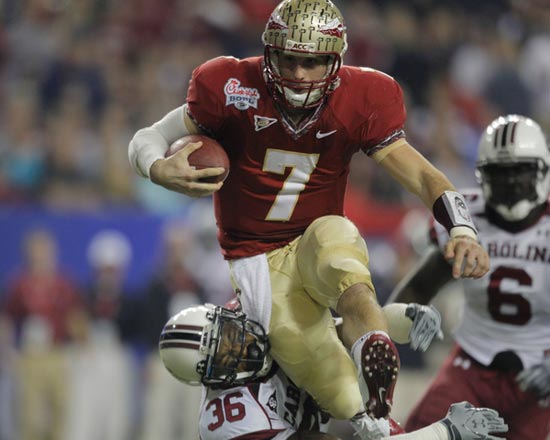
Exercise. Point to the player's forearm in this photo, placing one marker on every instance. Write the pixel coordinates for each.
(151, 143)
(447, 205)
(424, 280)
(420, 177)
(416, 174)
(433, 184)
(435, 431)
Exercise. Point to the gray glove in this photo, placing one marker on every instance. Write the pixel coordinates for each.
(536, 379)
(466, 422)
(426, 325)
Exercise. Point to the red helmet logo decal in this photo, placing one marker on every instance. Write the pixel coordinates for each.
(335, 28)
(276, 23)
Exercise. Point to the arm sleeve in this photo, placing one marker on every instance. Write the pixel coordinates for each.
(422, 283)
(435, 431)
(151, 143)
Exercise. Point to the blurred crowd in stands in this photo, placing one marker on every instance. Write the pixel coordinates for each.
(78, 77)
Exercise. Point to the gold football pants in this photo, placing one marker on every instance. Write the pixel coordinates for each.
(307, 277)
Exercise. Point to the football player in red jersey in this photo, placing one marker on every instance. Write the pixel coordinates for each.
(290, 122)
(249, 397)
(502, 356)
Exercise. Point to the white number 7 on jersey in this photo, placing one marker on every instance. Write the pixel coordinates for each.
(276, 161)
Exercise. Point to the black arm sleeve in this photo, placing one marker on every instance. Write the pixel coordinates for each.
(423, 282)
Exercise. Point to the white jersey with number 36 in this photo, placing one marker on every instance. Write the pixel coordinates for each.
(271, 409)
(508, 308)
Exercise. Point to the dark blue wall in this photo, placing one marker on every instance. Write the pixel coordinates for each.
(74, 232)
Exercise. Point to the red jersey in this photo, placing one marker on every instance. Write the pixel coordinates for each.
(50, 297)
(282, 179)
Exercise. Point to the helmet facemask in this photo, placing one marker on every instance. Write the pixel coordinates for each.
(213, 345)
(306, 29)
(236, 350)
(512, 189)
(295, 93)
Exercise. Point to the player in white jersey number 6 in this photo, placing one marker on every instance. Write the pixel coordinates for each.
(249, 397)
(502, 357)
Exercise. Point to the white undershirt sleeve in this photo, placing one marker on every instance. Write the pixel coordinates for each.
(151, 143)
(435, 431)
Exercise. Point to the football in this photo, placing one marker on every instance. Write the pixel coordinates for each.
(210, 155)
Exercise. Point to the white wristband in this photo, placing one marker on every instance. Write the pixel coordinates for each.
(462, 230)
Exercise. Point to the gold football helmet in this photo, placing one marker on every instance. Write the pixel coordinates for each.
(308, 28)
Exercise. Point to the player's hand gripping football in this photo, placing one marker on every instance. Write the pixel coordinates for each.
(176, 174)
(426, 325)
(468, 258)
(466, 422)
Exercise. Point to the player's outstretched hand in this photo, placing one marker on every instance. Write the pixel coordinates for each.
(466, 422)
(469, 259)
(175, 173)
(537, 380)
(426, 325)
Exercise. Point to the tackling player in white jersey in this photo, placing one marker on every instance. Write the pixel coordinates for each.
(248, 397)
(502, 356)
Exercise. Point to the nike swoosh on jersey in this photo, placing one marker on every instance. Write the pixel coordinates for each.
(320, 135)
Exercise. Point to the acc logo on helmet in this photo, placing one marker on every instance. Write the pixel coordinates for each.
(295, 45)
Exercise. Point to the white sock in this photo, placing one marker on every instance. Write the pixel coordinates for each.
(369, 428)
(358, 345)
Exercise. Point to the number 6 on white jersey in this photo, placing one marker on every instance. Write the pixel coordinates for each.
(276, 161)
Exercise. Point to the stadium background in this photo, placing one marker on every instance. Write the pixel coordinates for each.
(77, 78)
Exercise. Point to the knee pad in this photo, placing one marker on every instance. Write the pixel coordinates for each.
(331, 257)
(332, 230)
